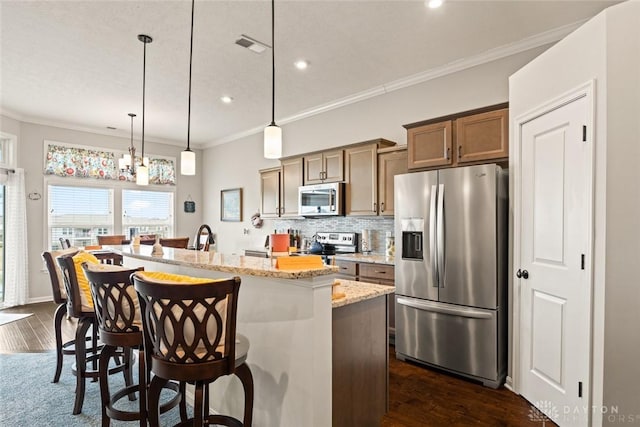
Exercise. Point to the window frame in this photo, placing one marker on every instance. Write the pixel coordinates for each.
(157, 189)
(116, 186)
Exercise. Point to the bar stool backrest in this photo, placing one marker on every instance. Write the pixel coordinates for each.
(189, 327)
(58, 289)
(67, 267)
(111, 239)
(175, 242)
(115, 300)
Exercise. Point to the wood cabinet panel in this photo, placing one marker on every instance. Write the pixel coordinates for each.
(482, 136)
(430, 145)
(376, 271)
(390, 164)
(291, 179)
(313, 168)
(334, 166)
(361, 176)
(360, 377)
(327, 166)
(348, 268)
(270, 193)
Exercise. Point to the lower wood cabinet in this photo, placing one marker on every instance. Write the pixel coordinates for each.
(360, 361)
(380, 274)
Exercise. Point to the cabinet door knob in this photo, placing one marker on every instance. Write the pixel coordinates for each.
(459, 151)
(522, 274)
(375, 206)
(447, 155)
(382, 207)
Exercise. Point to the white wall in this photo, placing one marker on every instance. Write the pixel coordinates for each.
(236, 164)
(607, 49)
(622, 285)
(30, 156)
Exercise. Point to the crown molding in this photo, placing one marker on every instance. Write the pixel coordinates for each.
(118, 133)
(490, 55)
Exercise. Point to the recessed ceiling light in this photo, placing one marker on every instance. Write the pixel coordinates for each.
(301, 64)
(434, 4)
(226, 99)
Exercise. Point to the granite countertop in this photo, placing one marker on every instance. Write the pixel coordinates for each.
(216, 261)
(359, 291)
(370, 258)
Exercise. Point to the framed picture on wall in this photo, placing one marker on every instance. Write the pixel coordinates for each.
(231, 205)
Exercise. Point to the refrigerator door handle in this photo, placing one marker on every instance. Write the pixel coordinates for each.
(440, 244)
(432, 236)
(435, 307)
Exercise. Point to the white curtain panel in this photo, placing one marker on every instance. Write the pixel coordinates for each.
(16, 273)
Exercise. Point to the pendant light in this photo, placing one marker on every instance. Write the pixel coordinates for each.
(142, 174)
(273, 132)
(127, 162)
(188, 157)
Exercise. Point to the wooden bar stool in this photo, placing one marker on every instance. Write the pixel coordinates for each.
(118, 316)
(80, 307)
(60, 297)
(190, 330)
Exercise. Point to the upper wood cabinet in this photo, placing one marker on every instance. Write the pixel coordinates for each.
(327, 166)
(362, 177)
(483, 136)
(290, 179)
(270, 193)
(430, 145)
(390, 164)
(279, 189)
(472, 137)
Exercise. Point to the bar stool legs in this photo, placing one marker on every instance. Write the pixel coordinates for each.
(61, 349)
(108, 401)
(244, 374)
(80, 370)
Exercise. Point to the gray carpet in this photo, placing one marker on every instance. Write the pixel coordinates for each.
(28, 398)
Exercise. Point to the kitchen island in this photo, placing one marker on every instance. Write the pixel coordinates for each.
(288, 318)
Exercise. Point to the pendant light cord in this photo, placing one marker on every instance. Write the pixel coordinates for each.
(144, 76)
(273, 65)
(193, 3)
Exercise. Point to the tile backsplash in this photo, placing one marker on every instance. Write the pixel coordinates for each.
(377, 227)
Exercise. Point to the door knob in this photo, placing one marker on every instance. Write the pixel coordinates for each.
(524, 274)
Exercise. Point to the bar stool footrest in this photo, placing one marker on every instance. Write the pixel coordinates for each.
(175, 400)
(121, 415)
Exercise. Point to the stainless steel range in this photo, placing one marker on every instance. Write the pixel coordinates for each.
(338, 243)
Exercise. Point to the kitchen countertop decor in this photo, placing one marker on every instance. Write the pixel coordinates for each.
(359, 291)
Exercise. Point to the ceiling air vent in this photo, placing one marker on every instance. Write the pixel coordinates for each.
(251, 44)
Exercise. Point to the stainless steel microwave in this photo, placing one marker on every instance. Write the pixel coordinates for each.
(321, 199)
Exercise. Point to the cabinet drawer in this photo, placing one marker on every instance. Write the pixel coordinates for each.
(347, 268)
(376, 271)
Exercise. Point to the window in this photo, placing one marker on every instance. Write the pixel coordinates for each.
(147, 212)
(79, 214)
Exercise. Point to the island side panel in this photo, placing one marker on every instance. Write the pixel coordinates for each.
(288, 323)
(360, 363)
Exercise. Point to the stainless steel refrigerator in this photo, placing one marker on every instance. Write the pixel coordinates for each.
(450, 270)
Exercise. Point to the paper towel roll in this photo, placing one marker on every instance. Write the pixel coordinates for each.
(366, 242)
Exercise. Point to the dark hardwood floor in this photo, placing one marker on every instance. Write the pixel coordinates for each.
(418, 396)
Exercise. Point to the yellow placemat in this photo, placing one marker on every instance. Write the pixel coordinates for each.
(299, 262)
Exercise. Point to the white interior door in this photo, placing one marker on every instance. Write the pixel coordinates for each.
(555, 313)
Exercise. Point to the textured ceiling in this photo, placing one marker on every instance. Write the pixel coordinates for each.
(78, 64)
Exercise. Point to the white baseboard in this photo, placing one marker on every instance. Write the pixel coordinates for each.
(39, 299)
(508, 384)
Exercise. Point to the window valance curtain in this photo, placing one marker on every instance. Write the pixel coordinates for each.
(80, 162)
